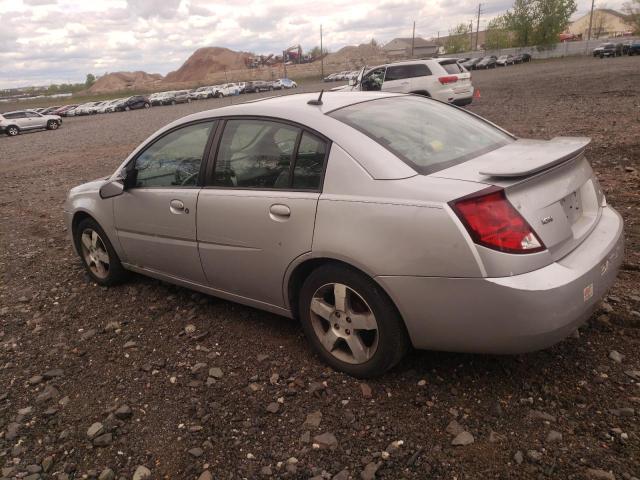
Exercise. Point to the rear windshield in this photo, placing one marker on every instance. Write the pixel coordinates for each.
(452, 67)
(427, 135)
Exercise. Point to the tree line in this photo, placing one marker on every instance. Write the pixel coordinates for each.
(527, 23)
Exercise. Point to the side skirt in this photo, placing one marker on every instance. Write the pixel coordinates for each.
(210, 291)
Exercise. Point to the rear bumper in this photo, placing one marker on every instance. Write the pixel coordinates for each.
(511, 314)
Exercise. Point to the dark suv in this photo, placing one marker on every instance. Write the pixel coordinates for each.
(605, 50)
(258, 86)
(134, 103)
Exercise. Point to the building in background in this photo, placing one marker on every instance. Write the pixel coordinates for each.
(606, 23)
(401, 47)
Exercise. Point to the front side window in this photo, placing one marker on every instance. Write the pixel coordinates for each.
(429, 136)
(373, 80)
(174, 160)
(255, 154)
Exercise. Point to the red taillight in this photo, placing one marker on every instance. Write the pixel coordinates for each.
(448, 79)
(493, 222)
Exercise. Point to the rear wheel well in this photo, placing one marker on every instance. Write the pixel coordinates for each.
(302, 271)
(422, 92)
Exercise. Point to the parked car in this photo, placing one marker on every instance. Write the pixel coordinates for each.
(605, 50)
(471, 63)
(231, 89)
(282, 83)
(522, 58)
(84, 109)
(487, 62)
(48, 110)
(457, 237)
(64, 109)
(133, 103)
(505, 60)
(330, 78)
(241, 86)
(12, 123)
(181, 96)
(634, 48)
(442, 78)
(258, 86)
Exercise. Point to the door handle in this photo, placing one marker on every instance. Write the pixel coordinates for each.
(279, 212)
(177, 206)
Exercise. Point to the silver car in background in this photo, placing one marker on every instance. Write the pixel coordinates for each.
(380, 221)
(12, 123)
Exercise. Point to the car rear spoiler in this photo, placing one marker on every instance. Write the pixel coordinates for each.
(526, 157)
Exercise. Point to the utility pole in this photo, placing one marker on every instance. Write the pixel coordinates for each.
(284, 63)
(478, 25)
(413, 38)
(590, 21)
(471, 35)
(321, 55)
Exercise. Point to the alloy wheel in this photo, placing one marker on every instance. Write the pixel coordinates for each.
(344, 323)
(13, 131)
(95, 253)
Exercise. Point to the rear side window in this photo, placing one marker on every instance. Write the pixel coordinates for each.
(255, 154)
(307, 173)
(15, 115)
(452, 67)
(429, 136)
(398, 72)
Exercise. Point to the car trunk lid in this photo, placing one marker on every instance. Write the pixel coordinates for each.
(549, 182)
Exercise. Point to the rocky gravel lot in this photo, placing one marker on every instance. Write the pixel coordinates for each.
(148, 380)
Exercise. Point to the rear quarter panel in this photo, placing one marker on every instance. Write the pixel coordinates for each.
(391, 227)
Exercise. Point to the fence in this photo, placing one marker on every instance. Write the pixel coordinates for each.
(563, 49)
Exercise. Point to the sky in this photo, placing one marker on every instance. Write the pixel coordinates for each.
(60, 41)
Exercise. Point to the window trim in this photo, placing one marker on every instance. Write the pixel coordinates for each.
(213, 155)
(130, 166)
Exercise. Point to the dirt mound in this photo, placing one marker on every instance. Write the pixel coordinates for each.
(352, 53)
(205, 62)
(113, 82)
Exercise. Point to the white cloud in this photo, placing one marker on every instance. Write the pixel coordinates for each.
(45, 41)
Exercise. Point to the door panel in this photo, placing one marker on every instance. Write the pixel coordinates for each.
(248, 238)
(157, 230)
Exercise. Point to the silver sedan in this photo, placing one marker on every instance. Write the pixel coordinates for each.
(380, 221)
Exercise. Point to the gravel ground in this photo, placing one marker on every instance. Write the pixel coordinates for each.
(148, 380)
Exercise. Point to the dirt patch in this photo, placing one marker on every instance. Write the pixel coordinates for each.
(95, 378)
(120, 81)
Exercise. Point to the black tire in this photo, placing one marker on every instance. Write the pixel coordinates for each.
(12, 130)
(393, 341)
(116, 272)
(52, 125)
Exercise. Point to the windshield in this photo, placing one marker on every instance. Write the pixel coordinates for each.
(426, 134)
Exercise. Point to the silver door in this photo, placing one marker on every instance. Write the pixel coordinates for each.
(22, 120)
(247, 239)
(36, 120)
(157, 230)
(156, 219)
(258, 215)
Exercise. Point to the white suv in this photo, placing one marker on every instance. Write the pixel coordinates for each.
(12, 123)
(441, 78)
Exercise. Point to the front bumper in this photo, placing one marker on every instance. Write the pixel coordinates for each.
(514, 314)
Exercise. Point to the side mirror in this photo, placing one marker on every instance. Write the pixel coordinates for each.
(113, 188)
